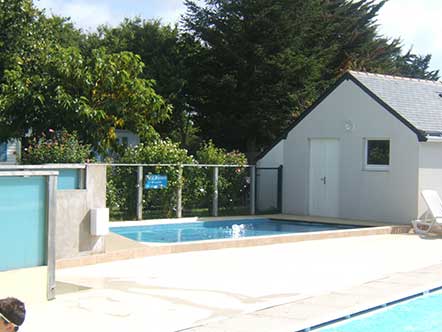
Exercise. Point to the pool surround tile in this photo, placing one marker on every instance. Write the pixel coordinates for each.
(144, 249)
(315, 311)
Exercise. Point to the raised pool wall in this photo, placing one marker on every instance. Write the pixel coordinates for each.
(73, 236)
(27, 229)
(80, 188)
(61, 205)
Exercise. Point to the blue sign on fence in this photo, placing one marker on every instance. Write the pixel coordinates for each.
(155, 181)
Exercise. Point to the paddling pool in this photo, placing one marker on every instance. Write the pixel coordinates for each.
(225, 229)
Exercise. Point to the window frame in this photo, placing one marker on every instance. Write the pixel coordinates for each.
(373, 167)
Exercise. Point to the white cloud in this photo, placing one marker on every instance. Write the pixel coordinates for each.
(84, 14)
(417, 24)
(172, 16)
(91, 13)
(168, 11)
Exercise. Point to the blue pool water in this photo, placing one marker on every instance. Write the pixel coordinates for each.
(186, 232)
(421, 314)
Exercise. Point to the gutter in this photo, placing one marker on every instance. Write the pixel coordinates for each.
(434, 139)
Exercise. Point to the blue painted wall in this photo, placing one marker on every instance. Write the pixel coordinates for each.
(68, 179)
(22, 222)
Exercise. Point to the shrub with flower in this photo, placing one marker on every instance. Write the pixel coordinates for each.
(56, 148)
(196, 182)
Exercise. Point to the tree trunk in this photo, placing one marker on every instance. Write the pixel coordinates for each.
(251, 150)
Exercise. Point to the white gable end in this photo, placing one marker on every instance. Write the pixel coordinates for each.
(351, 116)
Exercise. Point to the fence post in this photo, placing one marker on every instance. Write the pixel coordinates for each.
(280, 188)
(252, 189)
(51, 206)
(215, 192)
(179, 193)
(140, 193)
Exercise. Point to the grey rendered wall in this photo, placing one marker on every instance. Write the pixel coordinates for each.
(73, 212)
(274, 157)
(389, 196)
(430, 170)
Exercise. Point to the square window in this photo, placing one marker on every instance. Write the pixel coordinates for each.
(377, 154)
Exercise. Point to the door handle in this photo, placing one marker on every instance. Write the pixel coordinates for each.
(324, 180)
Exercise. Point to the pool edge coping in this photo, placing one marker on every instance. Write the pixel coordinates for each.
(285, 217)
(141, 250)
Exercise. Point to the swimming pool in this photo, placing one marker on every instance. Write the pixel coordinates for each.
(225, 229)
(420, 314)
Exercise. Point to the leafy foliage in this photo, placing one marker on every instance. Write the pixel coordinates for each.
(18, 22)
(56, 148)
(196, 182)
(261, 63)
(247, 70)
(235, 76)
(210, 154)
(237, 72)
(122, 181)
(62, 90)
(49, 82)
(164, 52)
(417, 66)
(233, 182)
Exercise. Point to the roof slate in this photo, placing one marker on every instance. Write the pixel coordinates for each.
(417, 101)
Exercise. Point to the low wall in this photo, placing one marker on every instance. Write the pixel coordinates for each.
(73, 237)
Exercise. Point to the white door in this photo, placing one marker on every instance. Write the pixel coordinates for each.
(324, 177)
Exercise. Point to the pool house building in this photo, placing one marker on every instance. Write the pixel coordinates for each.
(365, 150)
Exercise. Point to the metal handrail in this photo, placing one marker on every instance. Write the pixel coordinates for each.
(43, 166)
(172, 165)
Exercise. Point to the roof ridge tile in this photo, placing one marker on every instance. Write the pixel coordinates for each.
(393, 77)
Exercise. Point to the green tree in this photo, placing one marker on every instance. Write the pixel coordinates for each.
(47, 82)
(164, 53)
(63, 32)
(18, 22)
(416, 66)
(247, 70)
(58, 88)
(26, 30)
(262, 62)
(347, 36)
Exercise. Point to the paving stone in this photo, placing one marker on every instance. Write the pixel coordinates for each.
(251, 323)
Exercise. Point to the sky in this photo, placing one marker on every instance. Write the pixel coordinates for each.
(415, 22)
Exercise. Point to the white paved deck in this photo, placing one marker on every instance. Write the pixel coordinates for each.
(224, 290)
